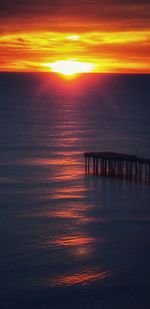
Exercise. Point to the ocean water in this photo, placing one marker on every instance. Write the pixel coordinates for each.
(70, 240)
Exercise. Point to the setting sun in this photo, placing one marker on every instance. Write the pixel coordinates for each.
(70, 67)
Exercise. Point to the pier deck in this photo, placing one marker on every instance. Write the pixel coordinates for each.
(117, 165)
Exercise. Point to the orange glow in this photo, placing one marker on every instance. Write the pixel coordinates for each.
(73, 241)
(73, 214)
(80, 278)
(70, 67)
(70, 54)
(66, 214)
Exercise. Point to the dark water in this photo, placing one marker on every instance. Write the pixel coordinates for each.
(70, 240)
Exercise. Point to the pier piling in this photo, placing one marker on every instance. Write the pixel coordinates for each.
(117, 165)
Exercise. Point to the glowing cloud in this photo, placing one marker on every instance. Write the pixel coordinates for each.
(71, 53)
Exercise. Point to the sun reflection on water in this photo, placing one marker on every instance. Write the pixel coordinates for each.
(73, 240)
(73, 213)
(85, 277)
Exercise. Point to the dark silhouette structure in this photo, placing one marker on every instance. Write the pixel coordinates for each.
(117, 165)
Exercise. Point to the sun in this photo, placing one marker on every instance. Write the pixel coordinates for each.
(70, 67)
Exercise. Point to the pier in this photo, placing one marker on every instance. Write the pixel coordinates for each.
(117, 165)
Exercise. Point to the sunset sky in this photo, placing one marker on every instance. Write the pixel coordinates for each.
(111, 35)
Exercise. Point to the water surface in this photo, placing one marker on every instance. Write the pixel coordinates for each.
(68, 239)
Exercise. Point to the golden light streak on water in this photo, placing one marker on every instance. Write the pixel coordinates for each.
(80, 278)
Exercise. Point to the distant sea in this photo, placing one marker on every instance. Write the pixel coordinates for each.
(70, 240)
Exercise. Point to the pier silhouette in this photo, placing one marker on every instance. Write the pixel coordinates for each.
(117, 165)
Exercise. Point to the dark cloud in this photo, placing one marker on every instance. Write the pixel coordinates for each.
(58, 13)
(93, 8)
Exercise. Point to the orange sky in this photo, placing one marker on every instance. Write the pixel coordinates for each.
(112, 35)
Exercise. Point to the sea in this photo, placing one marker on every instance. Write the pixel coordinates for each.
(69, 239)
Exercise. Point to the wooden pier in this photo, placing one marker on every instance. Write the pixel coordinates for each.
(117, 165)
